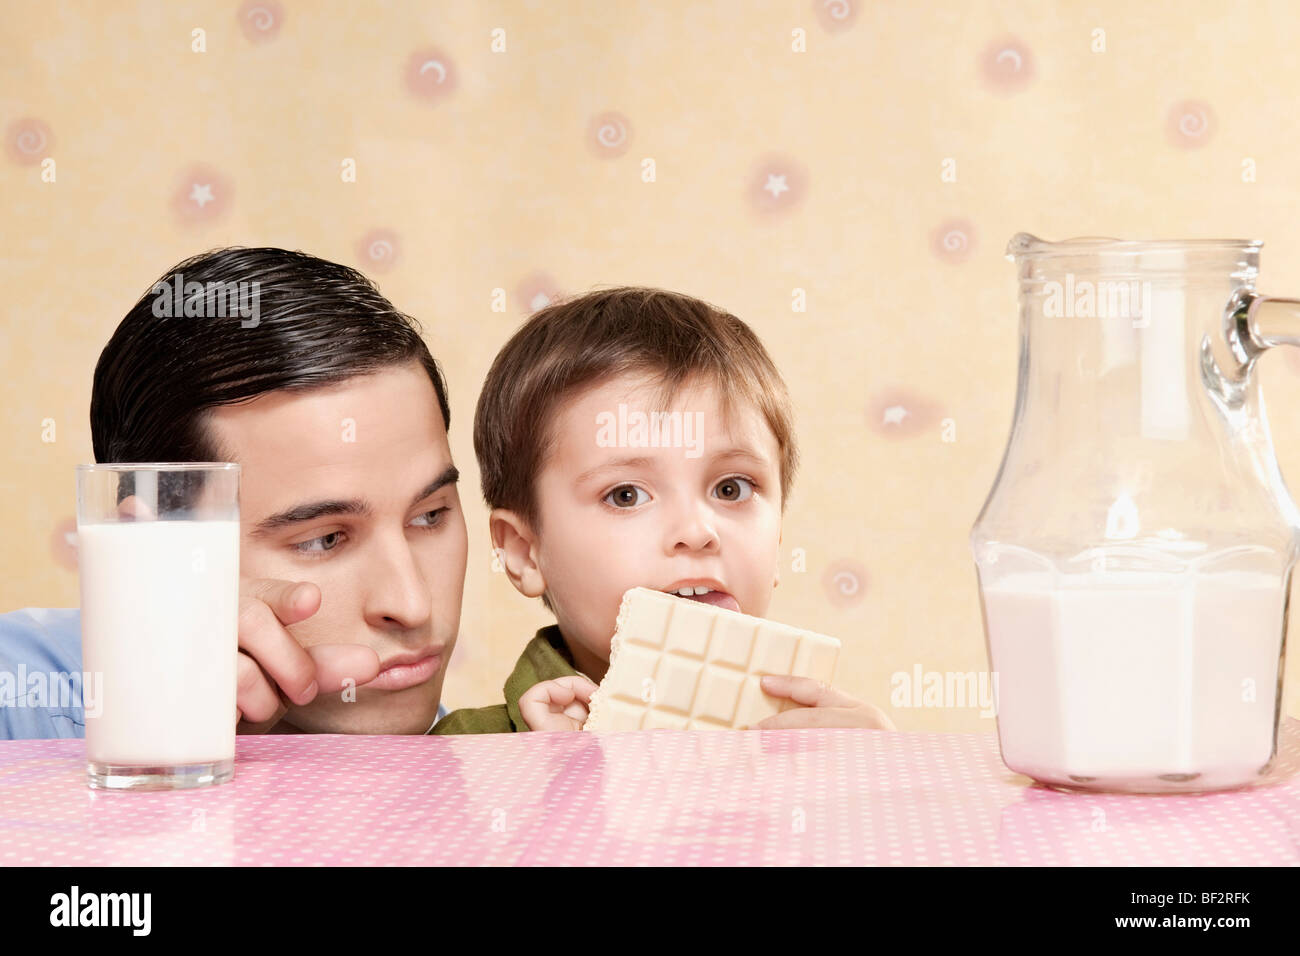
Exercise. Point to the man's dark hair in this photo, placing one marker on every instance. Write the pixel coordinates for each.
(317, 323)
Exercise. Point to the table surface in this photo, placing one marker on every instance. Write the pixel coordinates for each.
(653, 797)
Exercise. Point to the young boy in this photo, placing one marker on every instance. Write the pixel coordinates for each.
(634, 438)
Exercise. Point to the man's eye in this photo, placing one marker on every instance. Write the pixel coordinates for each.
(734, 488)
(431, 518)
(627, 496)
(320, 545)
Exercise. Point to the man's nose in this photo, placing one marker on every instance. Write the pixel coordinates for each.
(397, 590)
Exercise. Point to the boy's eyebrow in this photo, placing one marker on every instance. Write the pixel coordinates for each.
(642, 461)
(636, 461)
(738, 452)
(355, 507)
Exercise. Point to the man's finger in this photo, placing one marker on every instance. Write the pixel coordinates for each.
(806, 691)
(262, 727)
(336, 664)
(262, 636)
(290, 601)
(255, 697)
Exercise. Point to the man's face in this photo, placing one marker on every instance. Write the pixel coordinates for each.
(352, 488)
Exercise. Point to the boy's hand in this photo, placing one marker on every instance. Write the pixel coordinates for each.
(821, 706)
(274, 669)
(559, 704)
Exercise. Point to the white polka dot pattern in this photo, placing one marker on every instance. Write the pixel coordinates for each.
(744, 798)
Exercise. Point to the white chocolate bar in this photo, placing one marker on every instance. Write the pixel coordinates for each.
(686, 665)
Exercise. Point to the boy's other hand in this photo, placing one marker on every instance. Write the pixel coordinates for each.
(560, 704)
(274, 669)
(820, 706)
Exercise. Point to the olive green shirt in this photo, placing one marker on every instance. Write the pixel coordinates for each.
(545, 658)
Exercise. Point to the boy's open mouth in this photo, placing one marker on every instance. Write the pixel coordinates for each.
(706, 592)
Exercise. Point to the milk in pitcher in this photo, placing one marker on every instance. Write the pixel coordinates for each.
(1136, 680)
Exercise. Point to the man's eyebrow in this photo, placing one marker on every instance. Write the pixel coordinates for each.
(449, 476)
(354, 507)
(638, 461)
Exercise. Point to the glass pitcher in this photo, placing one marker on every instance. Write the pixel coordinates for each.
(1134, 554)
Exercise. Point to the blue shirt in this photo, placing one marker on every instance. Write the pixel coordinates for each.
(40, 674)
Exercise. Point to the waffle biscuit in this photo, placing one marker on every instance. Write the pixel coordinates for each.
(687, 665)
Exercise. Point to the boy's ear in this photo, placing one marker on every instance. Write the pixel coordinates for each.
(513, 540)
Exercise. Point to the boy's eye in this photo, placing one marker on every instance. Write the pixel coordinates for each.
(734, 488)
(627, 496)
(326, 542)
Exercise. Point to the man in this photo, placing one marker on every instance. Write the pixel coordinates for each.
(353, 543)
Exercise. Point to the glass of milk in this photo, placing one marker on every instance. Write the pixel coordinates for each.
(158, 549)
(1135, 551)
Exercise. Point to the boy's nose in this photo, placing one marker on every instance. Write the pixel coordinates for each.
(693, 531)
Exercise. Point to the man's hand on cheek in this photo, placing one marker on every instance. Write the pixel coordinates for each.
(820, 706)
(274, 669)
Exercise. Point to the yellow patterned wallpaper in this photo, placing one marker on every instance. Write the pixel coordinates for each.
(876, 156)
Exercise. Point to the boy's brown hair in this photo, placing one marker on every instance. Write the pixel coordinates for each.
(583, 340)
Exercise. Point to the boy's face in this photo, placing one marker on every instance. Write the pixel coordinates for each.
(351, 487)
(614, 514)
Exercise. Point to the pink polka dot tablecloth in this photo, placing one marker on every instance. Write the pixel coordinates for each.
(747, 798)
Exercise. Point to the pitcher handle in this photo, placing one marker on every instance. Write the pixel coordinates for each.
(1254, 323)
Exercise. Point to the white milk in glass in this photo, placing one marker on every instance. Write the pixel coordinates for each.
(1136, 677)
(159, 620)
